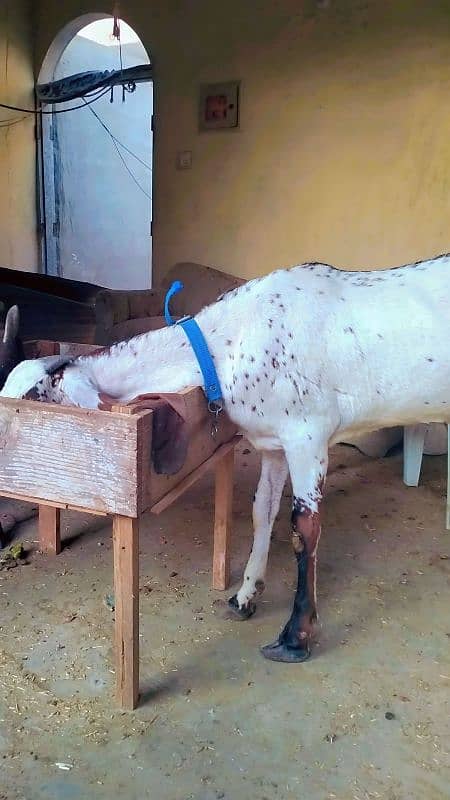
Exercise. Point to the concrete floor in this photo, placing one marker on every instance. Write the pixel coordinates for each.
(216, 719)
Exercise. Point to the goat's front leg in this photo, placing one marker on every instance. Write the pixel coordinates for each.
(274, 472)
(308, 470)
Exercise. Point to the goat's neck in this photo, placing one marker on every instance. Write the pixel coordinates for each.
(159, 361)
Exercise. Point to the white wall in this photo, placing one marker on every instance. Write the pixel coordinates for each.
(105, 234)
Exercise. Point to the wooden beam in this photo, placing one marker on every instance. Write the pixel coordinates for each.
(126, 590)
(223, 520)
(194, 476)
(50, 529)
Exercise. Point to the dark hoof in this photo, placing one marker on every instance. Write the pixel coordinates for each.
(241, 612)
(278, 651)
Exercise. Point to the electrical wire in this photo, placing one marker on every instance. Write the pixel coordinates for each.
(37, 111)
(115, 142)
(8, 123)
(131, 174)
(121, 144)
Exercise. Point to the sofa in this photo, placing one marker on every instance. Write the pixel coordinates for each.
(61, 309)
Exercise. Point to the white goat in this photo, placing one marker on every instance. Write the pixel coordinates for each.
(306, 357)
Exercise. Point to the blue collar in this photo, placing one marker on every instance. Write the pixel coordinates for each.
(198, 343)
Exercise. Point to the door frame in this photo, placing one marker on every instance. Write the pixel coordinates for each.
(48, 182)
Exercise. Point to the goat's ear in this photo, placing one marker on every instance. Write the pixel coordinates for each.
(53, 363)
(169, 440)
(12, 323)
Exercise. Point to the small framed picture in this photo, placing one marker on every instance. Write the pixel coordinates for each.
(219, 106)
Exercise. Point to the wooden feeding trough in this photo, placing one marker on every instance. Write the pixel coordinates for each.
(101, 462)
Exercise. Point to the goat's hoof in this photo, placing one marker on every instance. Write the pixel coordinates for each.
(241, 612)
(279, 651)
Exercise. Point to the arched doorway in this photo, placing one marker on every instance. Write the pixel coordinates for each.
(96, 160)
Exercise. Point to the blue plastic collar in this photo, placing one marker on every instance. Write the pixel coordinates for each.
(198, 343)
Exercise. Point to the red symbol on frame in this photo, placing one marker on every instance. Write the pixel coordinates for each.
(216, 107)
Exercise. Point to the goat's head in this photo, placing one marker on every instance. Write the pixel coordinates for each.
(52, 379)
(11, 350)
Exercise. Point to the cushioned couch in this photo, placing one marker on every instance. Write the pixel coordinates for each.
(62, 309)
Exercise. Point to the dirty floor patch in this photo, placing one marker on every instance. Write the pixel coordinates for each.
(365, 718)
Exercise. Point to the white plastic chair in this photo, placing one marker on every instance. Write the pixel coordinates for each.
(413, 441)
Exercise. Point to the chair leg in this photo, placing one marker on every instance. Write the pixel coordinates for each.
(413, 441)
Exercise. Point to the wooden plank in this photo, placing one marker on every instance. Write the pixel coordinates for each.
(144, 469)
(144, 454)
(223, 520)
(50, 529)
(53, 503)
(194, 476)
(126, 591)
(70, 455)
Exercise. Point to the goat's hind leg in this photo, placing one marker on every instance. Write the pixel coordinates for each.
(265, 508)
(293, 643)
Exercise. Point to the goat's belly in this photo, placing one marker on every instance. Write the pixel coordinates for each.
(260, 437)
(261, 432)
(392, 415)
(262, 442)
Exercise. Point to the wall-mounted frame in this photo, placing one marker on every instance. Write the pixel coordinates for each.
(219, 106)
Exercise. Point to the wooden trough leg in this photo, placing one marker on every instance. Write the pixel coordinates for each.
(126, 589)
(223, 521)
(50, 529)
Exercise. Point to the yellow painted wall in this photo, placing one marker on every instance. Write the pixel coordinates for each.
(343, 153)
(18, 243)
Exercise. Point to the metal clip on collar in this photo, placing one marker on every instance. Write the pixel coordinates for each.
(215, 407)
